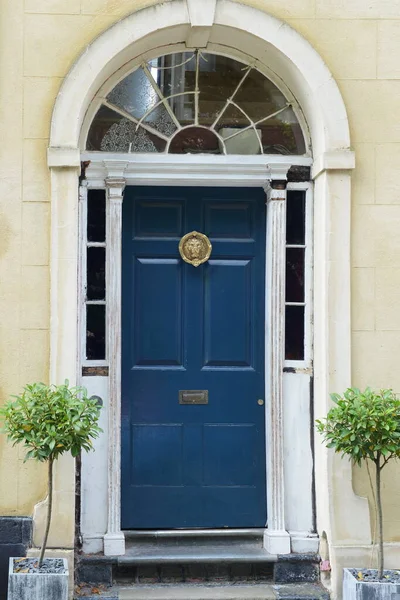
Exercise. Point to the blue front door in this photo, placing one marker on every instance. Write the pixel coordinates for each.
(193, 329)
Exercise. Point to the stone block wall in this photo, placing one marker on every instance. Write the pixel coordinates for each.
(15, 539)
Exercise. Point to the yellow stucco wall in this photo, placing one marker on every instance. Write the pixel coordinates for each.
(39, 41)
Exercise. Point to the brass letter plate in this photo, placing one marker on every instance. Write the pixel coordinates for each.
(193, 397)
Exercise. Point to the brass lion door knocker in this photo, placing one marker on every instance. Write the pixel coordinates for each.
(195, 248)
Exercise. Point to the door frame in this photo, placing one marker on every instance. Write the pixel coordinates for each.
(114, 172)
(341, 514)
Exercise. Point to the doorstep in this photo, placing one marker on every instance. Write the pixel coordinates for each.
(194, 557)
(305, 591)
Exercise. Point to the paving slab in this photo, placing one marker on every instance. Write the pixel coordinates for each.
(301, 591)
(200, 592)
(212, 591)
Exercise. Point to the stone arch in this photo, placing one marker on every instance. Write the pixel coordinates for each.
(260, 35)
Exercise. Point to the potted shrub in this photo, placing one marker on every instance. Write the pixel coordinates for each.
(48, 420)
(365, 426)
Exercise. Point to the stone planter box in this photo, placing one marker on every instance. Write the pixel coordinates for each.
(368, 590)
(37, 586)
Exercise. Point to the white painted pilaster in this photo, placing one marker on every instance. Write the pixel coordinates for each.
(63, 340)
(276, 538)
(114, 540)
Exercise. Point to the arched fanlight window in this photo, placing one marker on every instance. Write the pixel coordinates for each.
(196, 103)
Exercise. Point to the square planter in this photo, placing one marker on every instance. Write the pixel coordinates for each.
(37, 586)
(368, 590)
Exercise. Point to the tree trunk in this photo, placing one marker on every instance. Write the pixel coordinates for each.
(380, 518)
(49, 509)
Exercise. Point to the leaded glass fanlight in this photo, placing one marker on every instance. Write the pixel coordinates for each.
(196, 103)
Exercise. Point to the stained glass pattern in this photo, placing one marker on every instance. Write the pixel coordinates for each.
(165, 96)
(125, 136)
(161, 121)
(134, 94)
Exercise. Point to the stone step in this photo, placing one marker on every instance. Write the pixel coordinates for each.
(193, 537)
(213, 592)
(197, 556)
(196, 572)
(203, 550)
(179, 565)
(190, 553)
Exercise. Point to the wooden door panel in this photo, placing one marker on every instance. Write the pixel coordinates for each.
(158, 288)
(228, 333)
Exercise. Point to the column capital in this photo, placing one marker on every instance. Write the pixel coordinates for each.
(115, 169)
(115, 188)
(115, 183)
(277, 172)
(276, 191)
(276, 184)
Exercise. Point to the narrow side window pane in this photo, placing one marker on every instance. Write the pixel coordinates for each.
(96, 219)
(295, 275)
(296, 217)
(96, 274)
(294, 338)
(95, 332)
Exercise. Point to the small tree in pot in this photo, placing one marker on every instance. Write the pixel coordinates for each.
(50, 420)
(365, 426)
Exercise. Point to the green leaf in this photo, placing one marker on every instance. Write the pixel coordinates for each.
(362, 424)
(50, 420)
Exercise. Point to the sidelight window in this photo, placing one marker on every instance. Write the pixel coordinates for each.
(95, 284)
(298, 275)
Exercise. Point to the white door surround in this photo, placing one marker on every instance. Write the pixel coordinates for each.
(277, 48)
(114, 174)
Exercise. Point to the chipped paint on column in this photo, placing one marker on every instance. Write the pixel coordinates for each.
(276, 230)
(114, 540)
(276, 539)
